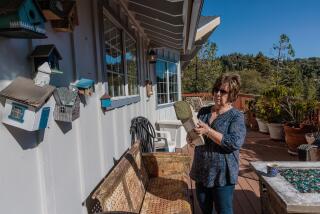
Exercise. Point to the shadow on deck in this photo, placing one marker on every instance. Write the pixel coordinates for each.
(257, 147)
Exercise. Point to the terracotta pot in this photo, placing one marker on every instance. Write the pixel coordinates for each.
(295, 137)
(276, 131)
(262, 126)
(251, 120)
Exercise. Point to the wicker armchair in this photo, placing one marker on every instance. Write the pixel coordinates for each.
(144, 183)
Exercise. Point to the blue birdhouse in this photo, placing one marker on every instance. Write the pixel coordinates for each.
(105, 101)
(85, 86)
(21, 19)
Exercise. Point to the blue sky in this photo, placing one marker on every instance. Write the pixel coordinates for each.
(250, 26)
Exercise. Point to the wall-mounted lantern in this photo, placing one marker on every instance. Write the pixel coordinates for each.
(21, 19)
(152, 56)
(149, 89)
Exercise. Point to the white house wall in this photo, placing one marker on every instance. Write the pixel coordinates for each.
(53, 172)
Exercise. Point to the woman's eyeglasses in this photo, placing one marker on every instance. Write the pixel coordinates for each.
(222, 91)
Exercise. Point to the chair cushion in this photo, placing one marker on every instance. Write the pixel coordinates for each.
(167, 195)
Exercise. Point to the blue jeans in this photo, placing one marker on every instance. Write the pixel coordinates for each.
(220, 197)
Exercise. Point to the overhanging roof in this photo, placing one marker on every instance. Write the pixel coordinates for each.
(206, 26)
(168, 23)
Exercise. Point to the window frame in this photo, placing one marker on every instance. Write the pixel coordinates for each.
(22, 108)
(126, 99)
(168, 103)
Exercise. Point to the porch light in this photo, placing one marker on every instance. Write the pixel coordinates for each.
(152, 56)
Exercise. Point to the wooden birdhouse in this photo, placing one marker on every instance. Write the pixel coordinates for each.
(105, 101)
(69, 19)
(67, 107)
(21, 19)
(52, 9)
(85, 87)
(46, 53)
(26, 105)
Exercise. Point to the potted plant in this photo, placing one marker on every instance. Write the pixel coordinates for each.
(301, 121)
(261, 116)
(275, 115)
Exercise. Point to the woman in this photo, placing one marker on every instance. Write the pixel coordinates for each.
(216, 164)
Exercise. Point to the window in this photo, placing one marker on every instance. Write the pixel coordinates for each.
(62, 109)
(17, 112)
(113, 54)
(167, 82)
(121, 61)
(131, 59)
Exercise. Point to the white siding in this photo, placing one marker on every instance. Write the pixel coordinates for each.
(53, 172)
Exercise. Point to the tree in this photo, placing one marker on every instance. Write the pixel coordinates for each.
(202, 71)
(283, 51)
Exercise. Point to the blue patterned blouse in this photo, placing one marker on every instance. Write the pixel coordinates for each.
(218, 165)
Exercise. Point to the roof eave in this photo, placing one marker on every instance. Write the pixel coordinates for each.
(194, 19)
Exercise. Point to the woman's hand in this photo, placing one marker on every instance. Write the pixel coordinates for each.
(202, 128)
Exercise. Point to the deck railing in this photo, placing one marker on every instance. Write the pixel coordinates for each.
(206, 98)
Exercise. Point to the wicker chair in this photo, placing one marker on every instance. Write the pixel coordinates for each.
(144, 183)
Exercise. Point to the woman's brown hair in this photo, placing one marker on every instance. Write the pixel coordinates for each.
(234, 83)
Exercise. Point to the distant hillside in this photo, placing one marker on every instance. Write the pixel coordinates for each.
(258, 72)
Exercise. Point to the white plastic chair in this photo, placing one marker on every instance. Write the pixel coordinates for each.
(163, 141)
(168, 129)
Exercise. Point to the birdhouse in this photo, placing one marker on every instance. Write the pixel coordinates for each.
(26, 105)
(105, 101)
(68, 18)
(67, 107)
(52, 9)
(46, 53)
(43, 76)
(85, 87)
(21, 19)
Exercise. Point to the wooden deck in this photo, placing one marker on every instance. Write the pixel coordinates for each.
(257, 147)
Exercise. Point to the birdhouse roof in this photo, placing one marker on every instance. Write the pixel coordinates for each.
(24, 90)
(65, 96)
(84, 83)
(12, 6)
(45, 51)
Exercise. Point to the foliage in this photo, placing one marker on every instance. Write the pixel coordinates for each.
(258, 72)
(298, 110)
(271, 104)
(202, 71)
(252, 82)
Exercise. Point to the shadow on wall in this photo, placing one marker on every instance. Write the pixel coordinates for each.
(26, 140)
(13, 58)
(65, 127)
